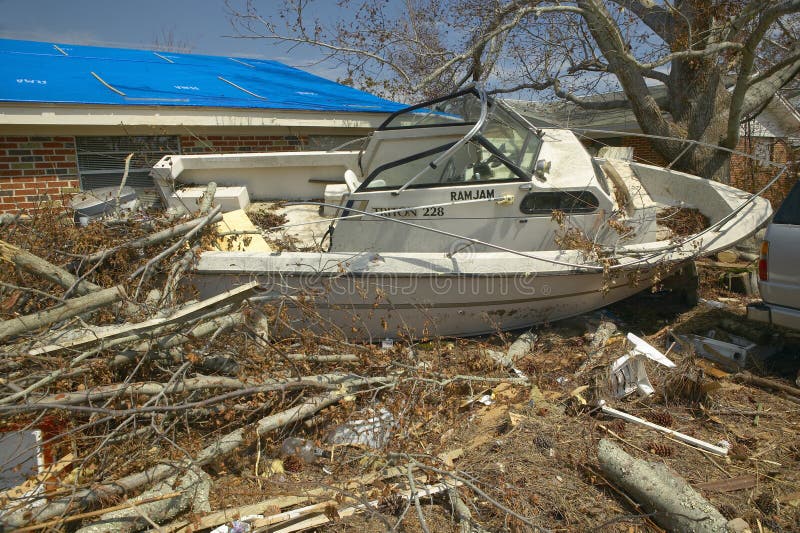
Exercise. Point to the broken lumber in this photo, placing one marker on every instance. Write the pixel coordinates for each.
(183, 314)
(332, 358)
(36, 265)
(675, 505)
(769, 384)
(68, 309)
(742, 482)
(323, 518)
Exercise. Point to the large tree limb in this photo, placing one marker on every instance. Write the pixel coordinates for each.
(656, 17)
(760, 93)
(187, 385)
(185, 313)
(36, 265)
(757, 95)
(194, 486)
(155, 238)
(614, 48)
(675, 505)
(68, 309)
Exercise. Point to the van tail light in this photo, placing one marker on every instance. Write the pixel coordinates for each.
(762, 262)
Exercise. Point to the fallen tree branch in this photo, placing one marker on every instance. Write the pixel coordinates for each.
(194, 486)
(750, 379)
(172, 249)
(676, 506)
(155, 238)
(172, 340)
(91, 514)
(223, 446)
(68, 309)
(239, 388)
(185, 313)
(36, 265)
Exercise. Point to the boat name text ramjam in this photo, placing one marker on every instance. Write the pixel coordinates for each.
(482, 194)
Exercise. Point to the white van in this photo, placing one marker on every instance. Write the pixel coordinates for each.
(779, 267)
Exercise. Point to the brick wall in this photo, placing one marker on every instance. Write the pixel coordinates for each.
(241, 143)
(643, 151)
(752, 176)
(34, 169)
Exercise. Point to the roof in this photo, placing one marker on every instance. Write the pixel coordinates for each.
(40, 72)
(779, 118)
(566, 114)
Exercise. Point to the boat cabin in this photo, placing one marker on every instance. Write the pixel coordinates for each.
(446, 175)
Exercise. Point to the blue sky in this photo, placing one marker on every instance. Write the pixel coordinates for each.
(202, 24)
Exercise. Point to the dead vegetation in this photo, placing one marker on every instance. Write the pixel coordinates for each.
(683, 221)
(157, 408)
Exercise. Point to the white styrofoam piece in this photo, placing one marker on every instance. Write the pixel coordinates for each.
(649, 351)
(230, 198)
(628, 375)
(334, 194)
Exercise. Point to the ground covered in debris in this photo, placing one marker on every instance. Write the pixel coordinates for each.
(199, 408)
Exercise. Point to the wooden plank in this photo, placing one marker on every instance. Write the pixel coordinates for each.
(321, 519)
(234, 513)
(742, 482)
(238, 220)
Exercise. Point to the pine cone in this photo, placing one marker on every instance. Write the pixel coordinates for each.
(617, 426)
(662, 418)
(766, 503)
(292, 463)
(659, 449)
(728, 511)
(543, 442)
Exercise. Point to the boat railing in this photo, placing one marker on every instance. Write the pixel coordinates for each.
(453, 149)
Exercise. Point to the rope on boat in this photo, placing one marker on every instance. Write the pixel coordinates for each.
(388, 211)
(595, 268)
(457, 236)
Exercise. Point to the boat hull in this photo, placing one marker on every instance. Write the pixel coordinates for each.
(375, 306)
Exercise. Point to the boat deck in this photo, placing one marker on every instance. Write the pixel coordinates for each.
(306, 225)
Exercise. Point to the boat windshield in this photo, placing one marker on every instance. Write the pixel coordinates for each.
(453, 110)
(502, 146)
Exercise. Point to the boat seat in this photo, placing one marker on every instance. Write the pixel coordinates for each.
(351, 180)
(629, 190)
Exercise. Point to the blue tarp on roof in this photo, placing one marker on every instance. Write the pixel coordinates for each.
(65, 73)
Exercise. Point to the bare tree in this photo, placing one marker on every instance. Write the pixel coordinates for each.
(166, 41)
(721, 61)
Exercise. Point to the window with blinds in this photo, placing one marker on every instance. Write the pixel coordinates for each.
(101, 160)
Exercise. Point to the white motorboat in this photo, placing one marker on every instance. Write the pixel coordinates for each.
(458, 217)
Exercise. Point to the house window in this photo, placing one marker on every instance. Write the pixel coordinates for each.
(101, 160)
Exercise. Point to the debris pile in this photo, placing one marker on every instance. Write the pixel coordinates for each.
(127, 402)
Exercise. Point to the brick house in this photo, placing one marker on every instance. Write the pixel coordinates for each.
(69, 115)
(773, 135)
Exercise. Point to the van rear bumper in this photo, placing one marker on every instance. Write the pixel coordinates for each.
(774, 314)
